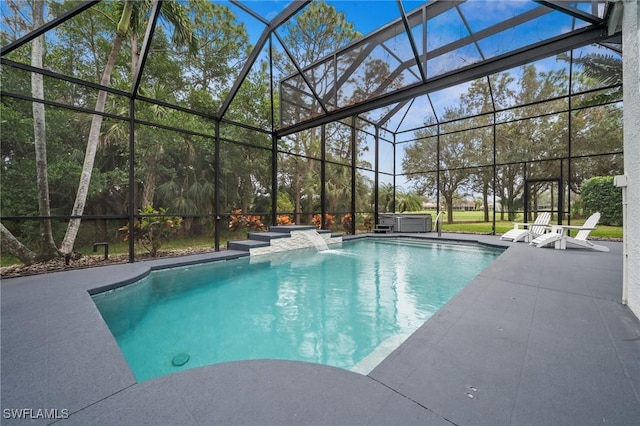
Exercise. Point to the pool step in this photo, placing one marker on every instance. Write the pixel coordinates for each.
(246, 245)
(267, 236)
(288, 228)
(263, 239)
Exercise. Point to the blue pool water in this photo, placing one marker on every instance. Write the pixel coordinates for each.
(347, 307)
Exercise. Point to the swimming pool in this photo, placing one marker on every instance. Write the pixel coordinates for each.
(347, 308)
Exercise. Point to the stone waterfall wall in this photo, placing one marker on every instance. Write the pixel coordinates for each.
(297, 240)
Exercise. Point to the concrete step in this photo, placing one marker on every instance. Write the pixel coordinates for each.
(267, 236)
(245, 245)
(288, 228)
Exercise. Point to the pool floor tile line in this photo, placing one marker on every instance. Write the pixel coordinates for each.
(539, 337)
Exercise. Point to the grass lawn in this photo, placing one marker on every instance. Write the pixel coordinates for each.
(471, 222)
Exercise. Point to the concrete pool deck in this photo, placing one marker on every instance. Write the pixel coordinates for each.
(539, 337)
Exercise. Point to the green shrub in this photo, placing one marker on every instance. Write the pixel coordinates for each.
(600, 195)
(151, 232)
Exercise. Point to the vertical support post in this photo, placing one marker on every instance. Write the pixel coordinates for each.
(376, 179)
(438, 170)
(353, 175)
(394, 173)
(216, 187)
(495, 172)
(424, 37)
(569, 139)
(335, 79)
(526, 192)
(132, 179)
(561, 192)
(274, 178)
(274, 143)
(323, 175)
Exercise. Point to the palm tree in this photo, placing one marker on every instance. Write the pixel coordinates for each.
(11, 244)
(131, 23)
(408, 201)
(48, 247)
(606, 69)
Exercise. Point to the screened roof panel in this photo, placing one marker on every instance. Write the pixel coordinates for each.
(459, 36)
(266, 9)
(448, 99)
(314, 33)
(419, 36)
(453, 60)
(399, 48)
(417, 113)
(377, 115)
(483, 14)
(200, 79)
(332, 59)
(411, 75)
(397, 115)
(381, 71)
(322, 78)
(527, 33)
(299, 105)
(369, 16)
(445, 29)
(252, 24)
(411, 5)
(252, 104)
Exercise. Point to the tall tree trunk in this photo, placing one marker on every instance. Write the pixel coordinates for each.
(511, 213)
(92, 146)
(148, 189)
(449, 201)
(101, 225)
(485, 200)
(15, 247)
(48, 247)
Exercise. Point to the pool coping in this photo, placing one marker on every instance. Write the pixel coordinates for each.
(538, 337)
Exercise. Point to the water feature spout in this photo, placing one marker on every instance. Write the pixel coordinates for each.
(316, 239)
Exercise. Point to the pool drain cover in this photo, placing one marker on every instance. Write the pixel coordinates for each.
(181, 359)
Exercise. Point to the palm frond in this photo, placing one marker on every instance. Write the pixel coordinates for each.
(184, 34)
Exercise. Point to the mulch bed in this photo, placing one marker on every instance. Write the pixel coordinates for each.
(81, 261)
